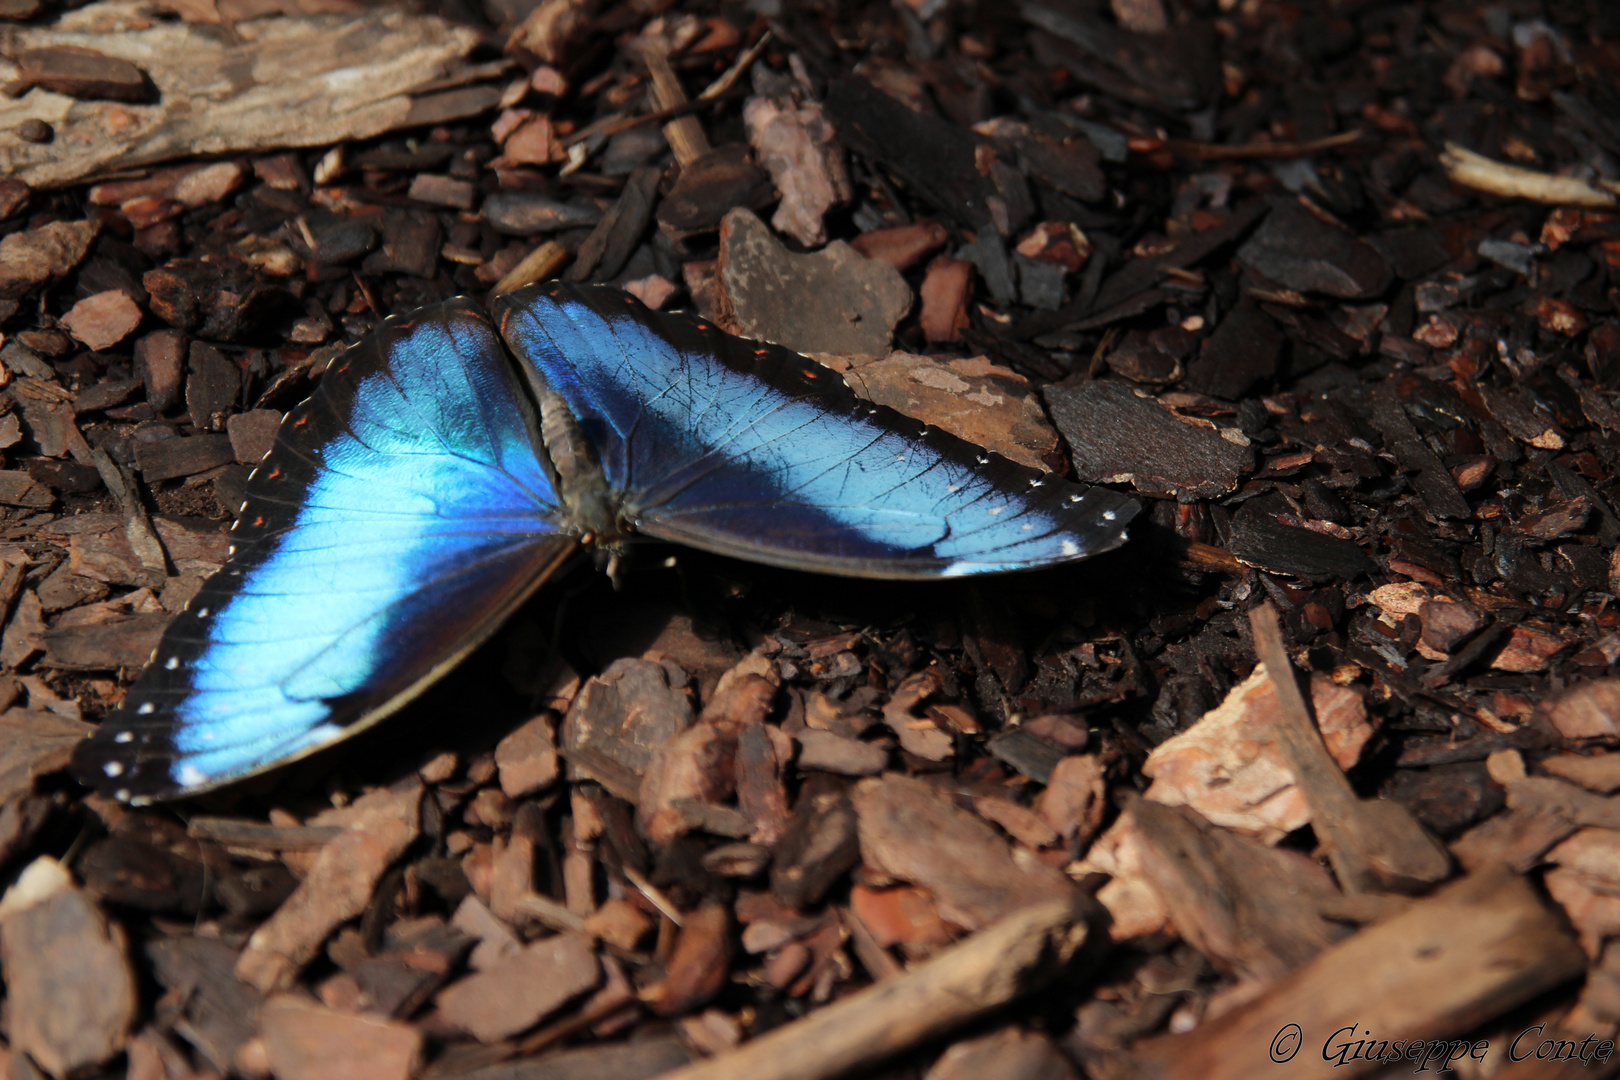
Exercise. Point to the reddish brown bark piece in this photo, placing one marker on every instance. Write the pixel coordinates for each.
(1528, 649)
(1597, 772)
(70, 991)
(620, 718)
(700, 966)
(908, 830)
(34, 256)
(690, 769)
(443, 191)
(34, 742)
(160, 362)
(1252, 909)
(511, 874)
(831, 752)
(1461, 957)
(220, 1011)
(1589, 711)
(104, 319)
(527, 758)
(118, 641)
(518, 992)
(252, 434)
(82, 73)
(1018, 822)
(304, 1040)
(1584, 883)
(902, 915)
(762, 752)
(13, 196)
(213, 386)
(20, 489)
(533, 143)
(944, 298)
(972, 397)
(711, 185)
(1073, 802)
(1447, 625)
(820, 844)
(336, 889)
(1230, 769)
(833, 301)
(496, 942)
(98, 547)
(1008, 1054)
(185, 188)
(1541, 812)
(903, 245)
(619, 923)
(795, 141)
(697, 769)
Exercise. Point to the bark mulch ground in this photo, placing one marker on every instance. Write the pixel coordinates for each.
(1314, 776)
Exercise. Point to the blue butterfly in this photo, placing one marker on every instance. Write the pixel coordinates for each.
(451, 462)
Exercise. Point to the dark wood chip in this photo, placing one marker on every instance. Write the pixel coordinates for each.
(81, 73)
(169, 458)
(1115, 436)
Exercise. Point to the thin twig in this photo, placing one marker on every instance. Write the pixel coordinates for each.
(1207, 151)
(652, 893)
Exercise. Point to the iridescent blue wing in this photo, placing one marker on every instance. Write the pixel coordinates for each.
(401, 516)
(752, 451)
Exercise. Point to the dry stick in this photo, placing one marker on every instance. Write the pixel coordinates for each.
(989, 969)
(1207, 151)
(729, 77)
(1210, 557)
(1373, 845)
(550, 912)
(653, 895)
(612, 125)
(143, 538)
(685, 135)
(538, 265)
(1483, 174)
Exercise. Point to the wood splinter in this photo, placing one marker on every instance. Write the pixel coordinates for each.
(1373, 844)
(984, 972)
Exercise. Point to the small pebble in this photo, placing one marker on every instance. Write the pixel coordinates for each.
(35, 130)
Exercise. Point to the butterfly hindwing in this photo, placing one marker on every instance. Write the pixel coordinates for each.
(401, 516)
(753, 451)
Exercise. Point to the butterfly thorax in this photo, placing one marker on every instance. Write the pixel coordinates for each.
(581, 485)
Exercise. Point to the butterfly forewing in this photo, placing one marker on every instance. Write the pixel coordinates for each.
(402, 514)
(753, 451)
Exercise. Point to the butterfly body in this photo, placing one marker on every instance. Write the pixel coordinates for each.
(451, 462)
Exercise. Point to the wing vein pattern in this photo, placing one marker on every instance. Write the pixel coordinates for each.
(402, 514)
(753, 451)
